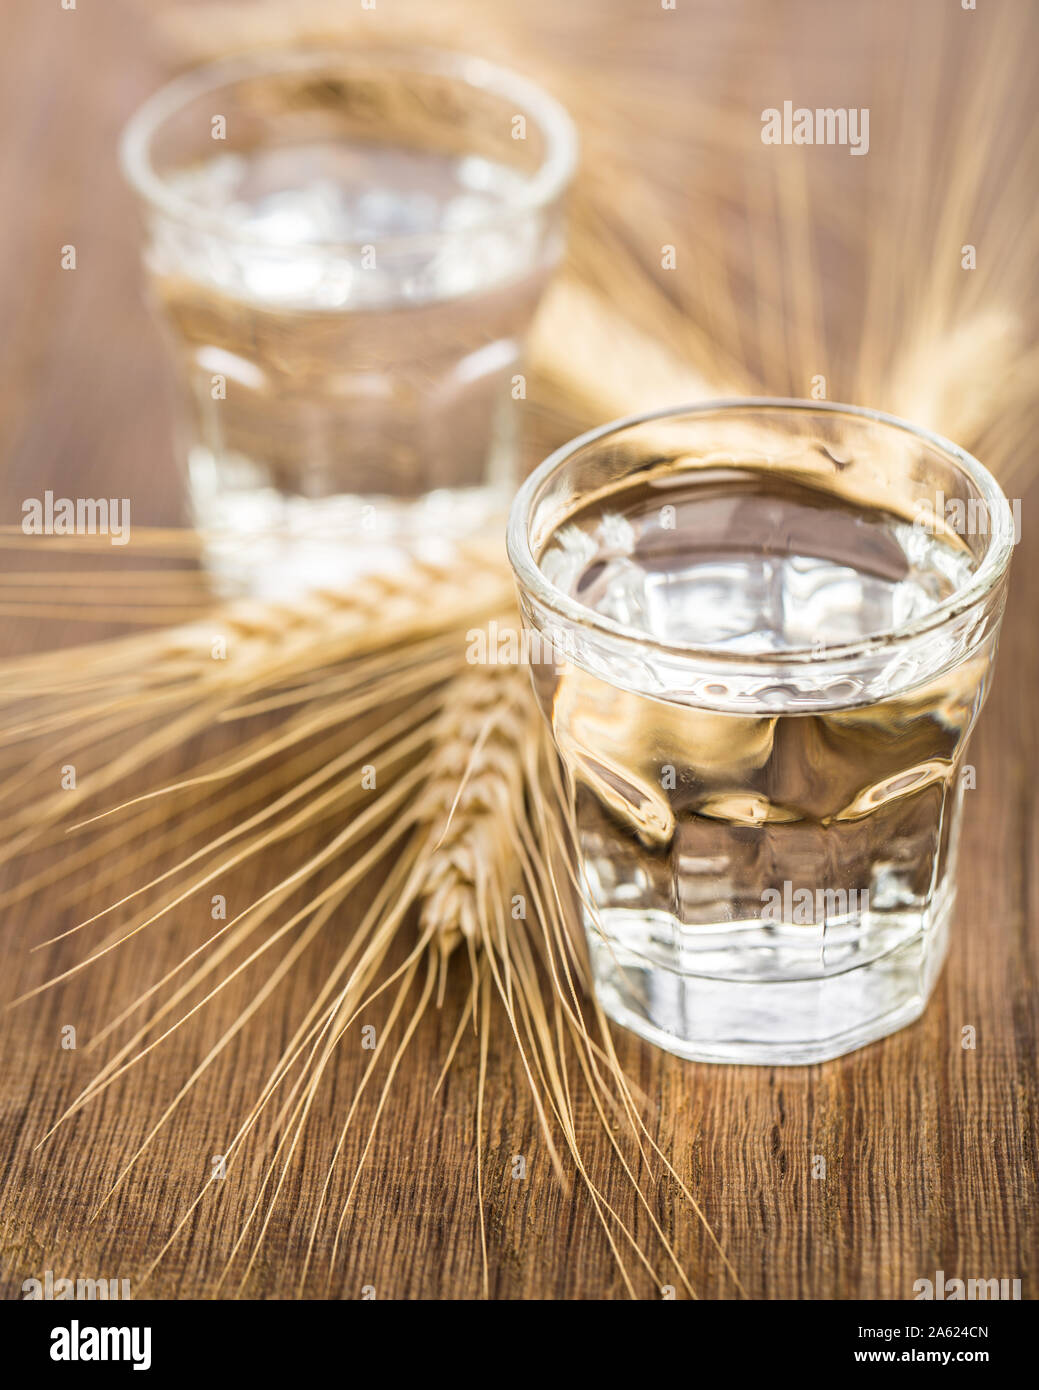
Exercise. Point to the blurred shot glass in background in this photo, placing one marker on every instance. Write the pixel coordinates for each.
(766, 630)
(347, 249)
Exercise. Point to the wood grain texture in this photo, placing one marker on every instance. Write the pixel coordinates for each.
(930, 1149)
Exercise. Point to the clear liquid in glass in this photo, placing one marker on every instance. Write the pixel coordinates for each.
(348, 341)
(761, 882)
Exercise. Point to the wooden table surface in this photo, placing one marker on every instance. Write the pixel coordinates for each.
(930, 1148)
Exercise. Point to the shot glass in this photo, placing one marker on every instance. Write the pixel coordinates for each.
(767, 630)
(347, 249)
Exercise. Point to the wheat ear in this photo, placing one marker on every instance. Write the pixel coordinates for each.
(490, 886)
(171, 685)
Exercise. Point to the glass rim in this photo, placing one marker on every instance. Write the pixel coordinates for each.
(549, 181)
(531, 579)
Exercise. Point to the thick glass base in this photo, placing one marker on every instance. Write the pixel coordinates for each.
(260, 543)
(864, 986)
